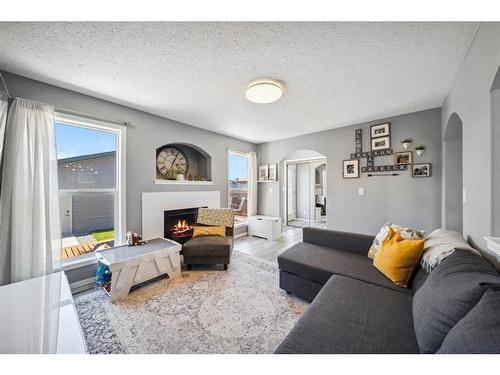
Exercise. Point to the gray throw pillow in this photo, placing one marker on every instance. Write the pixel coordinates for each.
(479, 331)
(452, 289)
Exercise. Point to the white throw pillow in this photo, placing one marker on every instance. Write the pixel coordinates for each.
(406, 234)
(439, 244)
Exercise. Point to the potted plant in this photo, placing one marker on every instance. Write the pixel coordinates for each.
(419, 150)
(406, 143)
(179, 172)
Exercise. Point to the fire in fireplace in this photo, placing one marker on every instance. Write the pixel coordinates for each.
(178, 224)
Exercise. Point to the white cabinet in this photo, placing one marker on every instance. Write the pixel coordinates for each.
(38, 316)
(267, 227)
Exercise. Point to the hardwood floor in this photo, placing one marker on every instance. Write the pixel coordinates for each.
(269, 250)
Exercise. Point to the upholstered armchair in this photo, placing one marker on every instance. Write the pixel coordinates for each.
(211, 249)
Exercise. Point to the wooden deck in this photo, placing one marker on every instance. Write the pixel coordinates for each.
(74, 251)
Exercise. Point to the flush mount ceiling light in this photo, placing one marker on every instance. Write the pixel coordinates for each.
(263, 91)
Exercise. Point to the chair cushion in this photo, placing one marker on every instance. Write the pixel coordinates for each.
(351, 316)
(479, 331)
(208, 246)
(319, 263)
(200, 231)
(451, 290)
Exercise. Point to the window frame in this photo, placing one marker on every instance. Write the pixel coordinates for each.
(247, 155)
(120, 189)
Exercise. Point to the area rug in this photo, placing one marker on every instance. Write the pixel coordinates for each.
(207, 310)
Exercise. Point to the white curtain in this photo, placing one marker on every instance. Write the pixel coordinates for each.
(4, 104)
(252, 183)
(30, 236)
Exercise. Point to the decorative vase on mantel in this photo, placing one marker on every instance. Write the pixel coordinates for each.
(179, 177)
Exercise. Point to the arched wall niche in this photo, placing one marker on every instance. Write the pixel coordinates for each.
(495, 153)
(453, 174)
(199, 161)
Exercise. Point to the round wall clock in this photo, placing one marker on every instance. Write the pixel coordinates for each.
(170, 156)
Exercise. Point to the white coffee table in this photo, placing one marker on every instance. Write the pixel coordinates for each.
(132, 265)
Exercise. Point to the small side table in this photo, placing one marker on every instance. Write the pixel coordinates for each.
(132, 265)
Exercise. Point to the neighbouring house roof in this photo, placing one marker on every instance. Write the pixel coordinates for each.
(86, 157)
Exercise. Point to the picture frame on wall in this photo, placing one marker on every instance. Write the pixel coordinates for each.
(403, 158)
(350, 168)
(380, 130)
(273, 172)
(381, 143)
(421, 170)
(263, 172)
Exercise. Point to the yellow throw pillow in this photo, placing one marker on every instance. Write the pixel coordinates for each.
(397, 257)
(209, 231)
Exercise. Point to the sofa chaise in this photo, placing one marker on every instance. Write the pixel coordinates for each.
(356, 309)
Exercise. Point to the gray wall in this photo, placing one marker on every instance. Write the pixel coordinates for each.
(402, 199)
(84, 176)
(145, 134)
(470, 98)
(495, 113)
(92, 211)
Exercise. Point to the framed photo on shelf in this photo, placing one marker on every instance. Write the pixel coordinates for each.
(403, 158)
(421, 170)
(263, 172)
(350, 168)
(273, 172)
(380, 130)
(380, 143)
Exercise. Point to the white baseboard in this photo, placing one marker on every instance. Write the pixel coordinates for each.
(241, 235)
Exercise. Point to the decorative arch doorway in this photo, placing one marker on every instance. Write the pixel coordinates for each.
(305, 189)
(453, 175)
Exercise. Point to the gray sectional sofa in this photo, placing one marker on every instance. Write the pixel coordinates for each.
(356, 309)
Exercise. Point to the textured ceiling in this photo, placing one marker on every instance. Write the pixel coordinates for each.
(336, 73)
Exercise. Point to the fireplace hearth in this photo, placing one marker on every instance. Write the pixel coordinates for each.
(178, 224)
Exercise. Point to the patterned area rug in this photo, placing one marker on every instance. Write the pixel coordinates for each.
(207, 310)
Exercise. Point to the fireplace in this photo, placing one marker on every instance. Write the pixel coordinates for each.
(178, 224)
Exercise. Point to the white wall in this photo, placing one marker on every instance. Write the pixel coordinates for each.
(470, 98)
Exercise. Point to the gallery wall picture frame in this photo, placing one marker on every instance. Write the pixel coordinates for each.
(263, 172)
(403, 158)
(273, 172)
(381, 143)
(350, 168)
(421, 170)
(380, 130)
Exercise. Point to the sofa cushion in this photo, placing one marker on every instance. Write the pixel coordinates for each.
(319, 263)
(479, 330)
(351, 316)
(208, 246)
(451, 290)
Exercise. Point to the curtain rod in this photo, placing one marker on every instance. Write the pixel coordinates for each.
(69, 111)
(89, 116)
(4, 85)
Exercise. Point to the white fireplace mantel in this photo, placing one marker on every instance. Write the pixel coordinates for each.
(154, 205)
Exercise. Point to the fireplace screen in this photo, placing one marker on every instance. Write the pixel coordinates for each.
(178, 224)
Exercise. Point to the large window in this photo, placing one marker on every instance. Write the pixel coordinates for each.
(239, 185)
(91, 185)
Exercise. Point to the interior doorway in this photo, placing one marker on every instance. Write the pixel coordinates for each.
(453, 174)
(306, 192)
